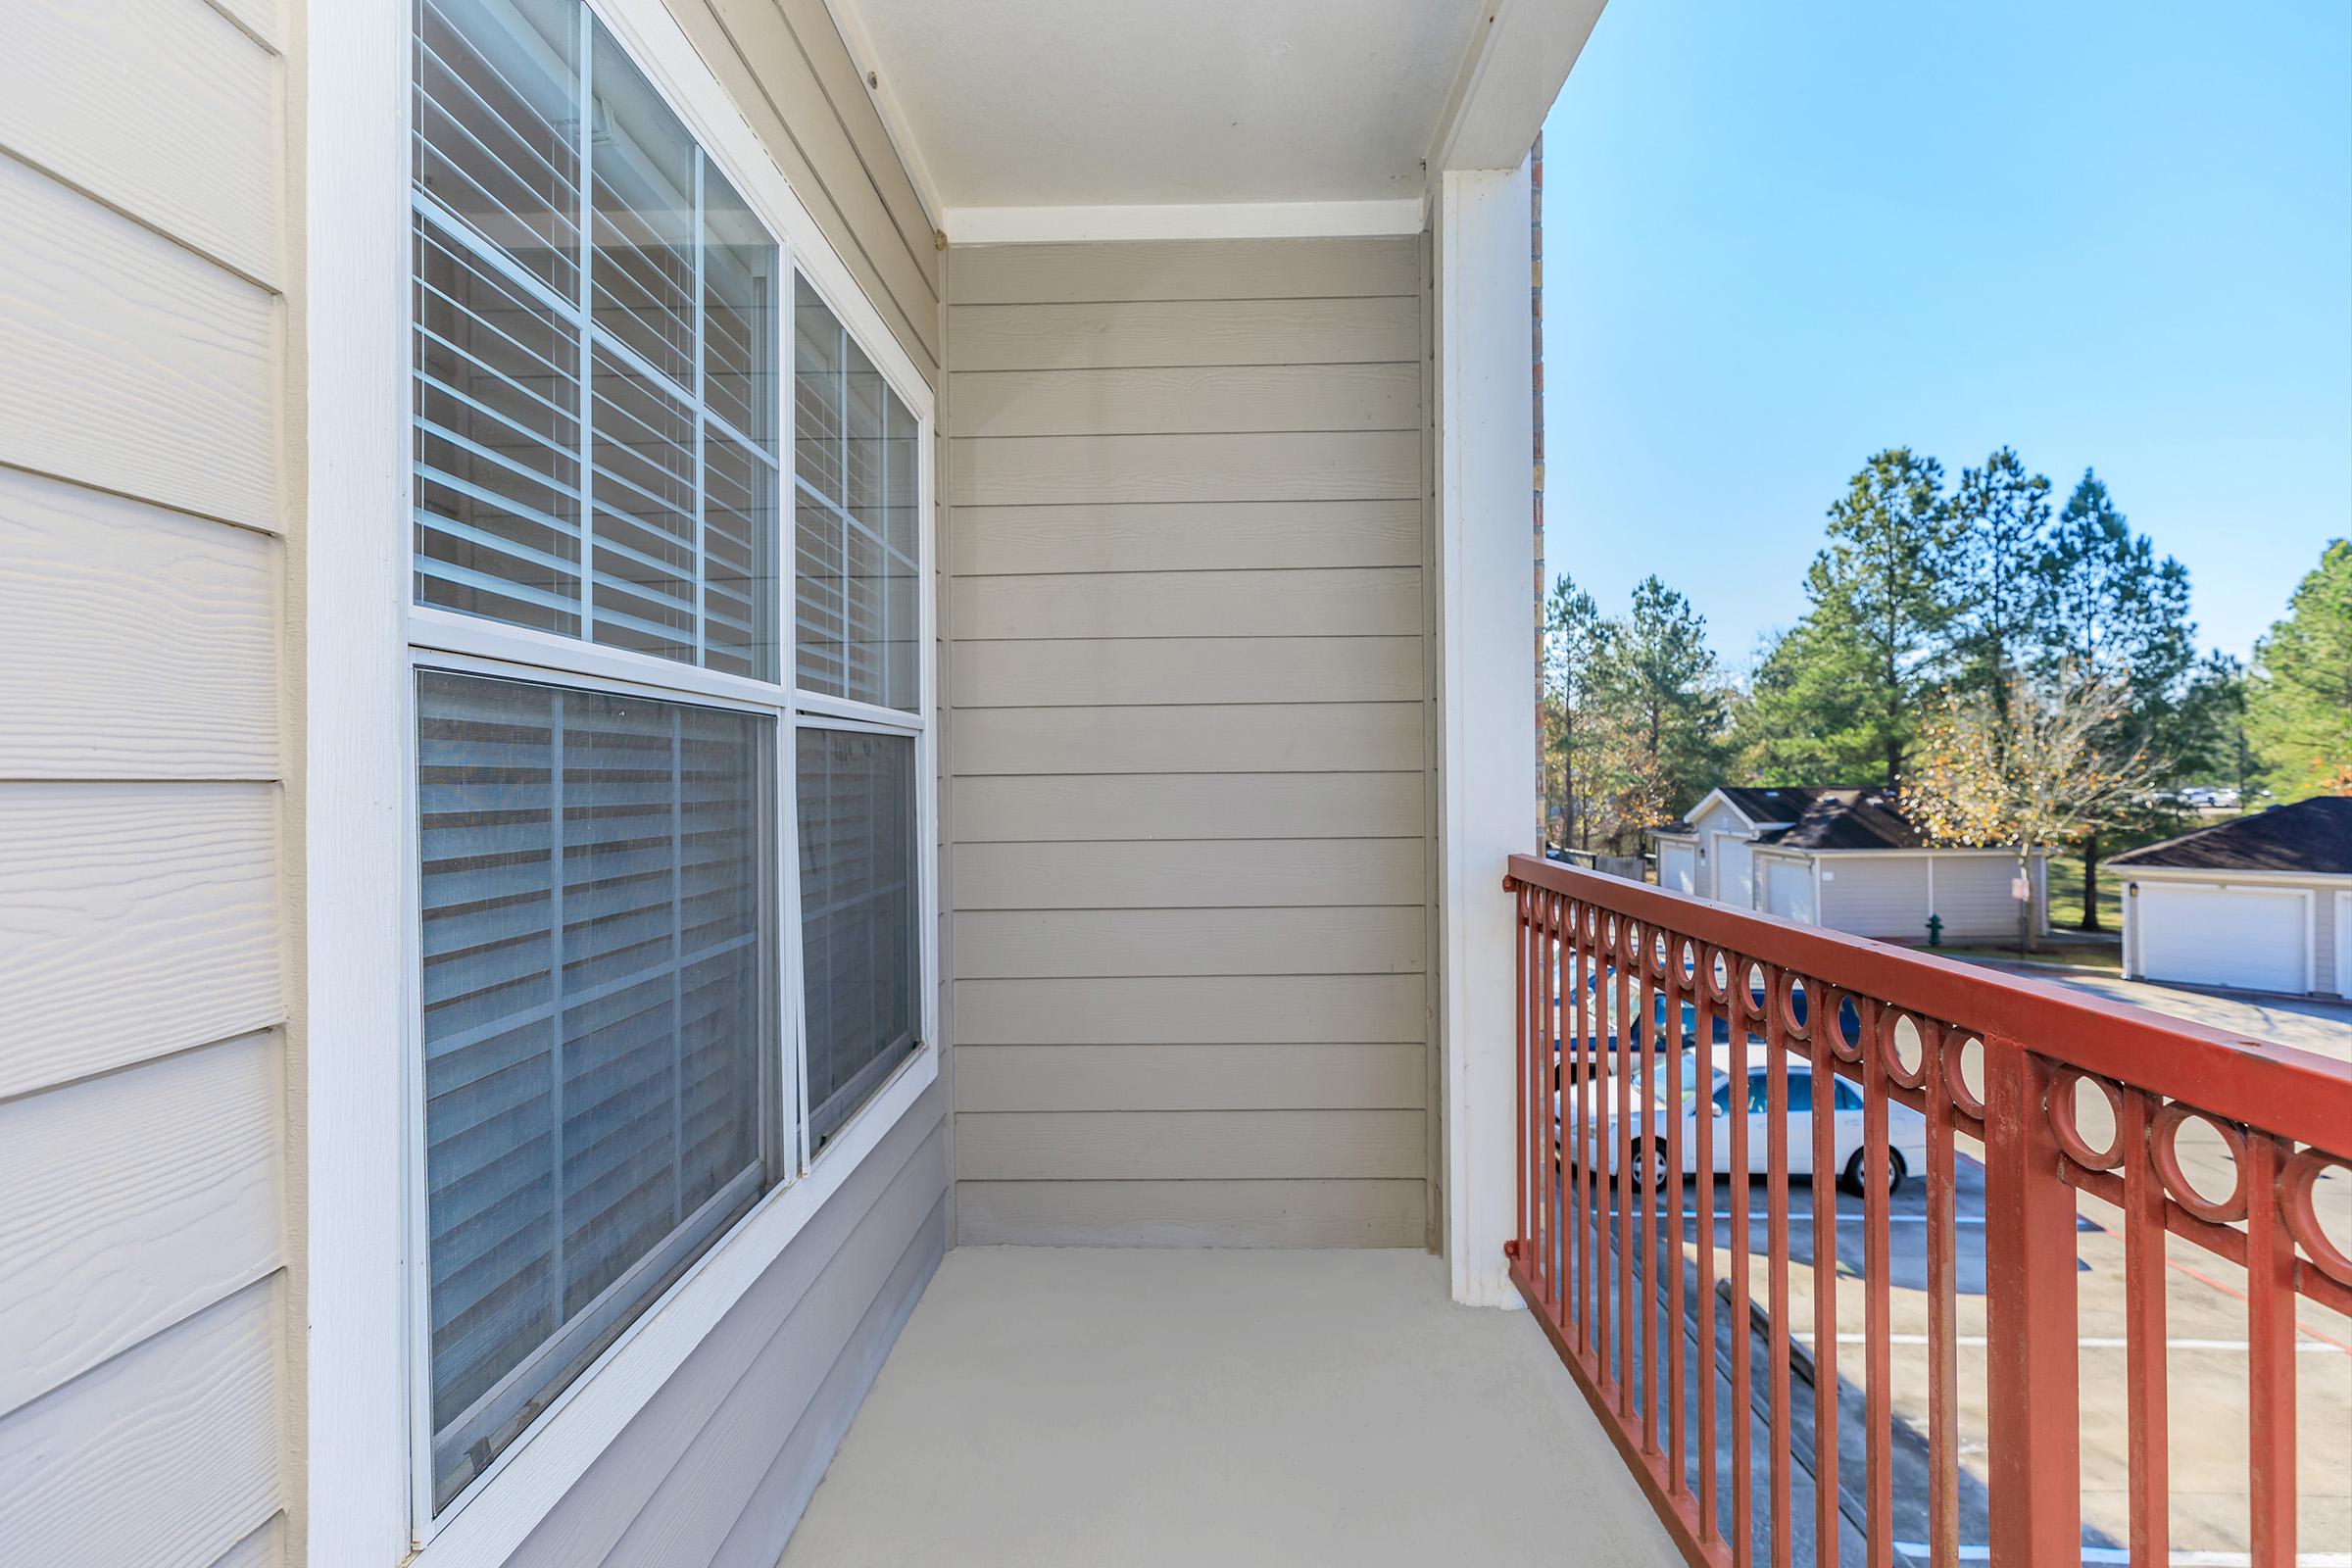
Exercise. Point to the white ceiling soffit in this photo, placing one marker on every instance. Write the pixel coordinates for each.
(1136, 118)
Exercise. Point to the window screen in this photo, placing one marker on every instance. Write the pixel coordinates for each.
(592, 897)
(595, 423)
(857, 915)
(854, 518)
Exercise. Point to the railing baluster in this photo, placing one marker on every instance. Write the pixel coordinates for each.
(1647, 1190)
(1676, 1046)
(2035, 1486)
(1776, 1233)
(1704, 1161)
(1828, 1524)
(1525, 1184)
(2270, 1360)
(1619, 1160)
(1740, 1412)
(1877, 1512)
(1943, 1346)
(2144, 1360)
(1572, 1130)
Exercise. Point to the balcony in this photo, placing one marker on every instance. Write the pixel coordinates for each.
(2073, 1332)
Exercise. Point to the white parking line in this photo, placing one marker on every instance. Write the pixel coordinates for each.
(2181, 1559)
(1977, 1342)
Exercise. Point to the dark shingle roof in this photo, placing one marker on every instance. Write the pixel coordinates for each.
(2313, 836)
(1832, 817)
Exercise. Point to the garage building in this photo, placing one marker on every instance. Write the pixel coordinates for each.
(2259, 904)
(1845, 858)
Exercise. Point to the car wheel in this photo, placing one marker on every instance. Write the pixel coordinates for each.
(1649, 1164)
(1856, 1169)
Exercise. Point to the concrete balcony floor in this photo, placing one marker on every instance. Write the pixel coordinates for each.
(1103, 1408)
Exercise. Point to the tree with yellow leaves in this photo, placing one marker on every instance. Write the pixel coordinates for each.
(2038, 764)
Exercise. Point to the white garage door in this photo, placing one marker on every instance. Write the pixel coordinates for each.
(1788, 890)
(1678, 867)
(2247, 940)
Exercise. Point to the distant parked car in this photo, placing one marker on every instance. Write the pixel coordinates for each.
(1906, 1129)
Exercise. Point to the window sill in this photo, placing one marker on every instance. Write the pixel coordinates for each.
(484, 1526)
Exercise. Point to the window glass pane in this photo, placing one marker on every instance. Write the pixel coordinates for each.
(857, 916)
(498, 125)
(646, 559)
(854, 518)
(628, 531)
(738, 326)
(642, 196)
(595, 1025)
(497, 445)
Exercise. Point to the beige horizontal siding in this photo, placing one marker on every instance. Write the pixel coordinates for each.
(144, 490)
(1205, 1010)
(1189, 742)
(1212, 738)
(139, 919)
(1111, 336)
(187, 144)
(1140, 671)
(1214, 1212)
(1073, 944)
(1277, 466)
(1302, 602)
(1143, 807)
(1151, 1145)
(1186, 270)
(135, 1200)
(130, 363)
(168, 1454)
(1219, 1077)
(1188, 873)
(1186, 399)
(1172, 536)
(139, 642)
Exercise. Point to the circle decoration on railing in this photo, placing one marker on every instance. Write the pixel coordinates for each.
(1720, 965)
(1796, 1013)
(2065, 1092)
(1954, 1054)
(1845, 1042)
(1895, 1025)
(2165, 1131)
(1657, 953)
(1756, 991)
(1689, 960)
(2296, 1178)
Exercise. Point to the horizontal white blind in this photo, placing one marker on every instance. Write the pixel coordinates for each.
(595, 1028)
(854, 518)
(858, 938)
(597, 423)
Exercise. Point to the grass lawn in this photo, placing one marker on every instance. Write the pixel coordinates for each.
(2105, 960)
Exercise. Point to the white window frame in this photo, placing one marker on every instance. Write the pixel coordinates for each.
(360, 1115)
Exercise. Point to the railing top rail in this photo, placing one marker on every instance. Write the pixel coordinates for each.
(2277, 1088)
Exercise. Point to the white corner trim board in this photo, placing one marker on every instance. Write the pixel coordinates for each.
(1488, 806)
(1015, 226)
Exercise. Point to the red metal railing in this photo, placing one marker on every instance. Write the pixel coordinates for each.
(1617, 981)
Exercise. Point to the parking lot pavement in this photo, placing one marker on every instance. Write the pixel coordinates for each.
(2305, 1021)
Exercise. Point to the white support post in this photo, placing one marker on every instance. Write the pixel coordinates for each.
(1486, 780)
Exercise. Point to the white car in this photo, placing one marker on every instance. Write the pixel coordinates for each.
(1906, 1129)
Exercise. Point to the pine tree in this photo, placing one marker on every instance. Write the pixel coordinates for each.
(1576, 655)
(2299, 698)
(1881, 592)
(2113, 612)
(1666, 702)
(2000, 515)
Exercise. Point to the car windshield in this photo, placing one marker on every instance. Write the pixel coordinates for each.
(1669, 1091)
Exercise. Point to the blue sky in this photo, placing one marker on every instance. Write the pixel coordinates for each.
(1778, 238)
